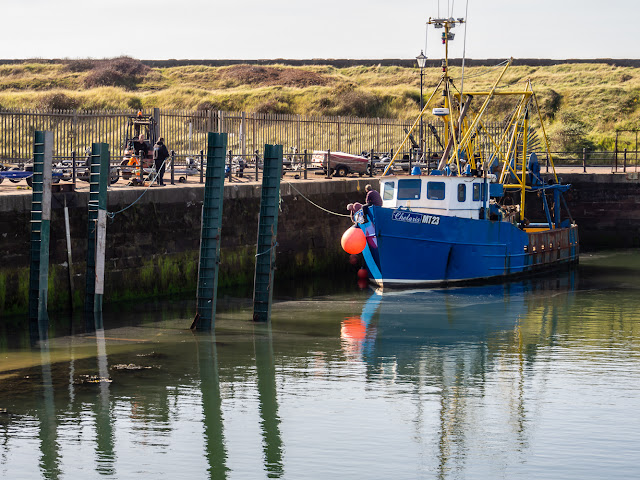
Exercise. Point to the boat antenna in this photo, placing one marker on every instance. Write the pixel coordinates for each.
(464, 51)
(426, 36)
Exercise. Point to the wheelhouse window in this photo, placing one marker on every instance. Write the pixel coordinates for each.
(478, 192)
(409, 189)
(387, 193)
(462, 192)
(435, 190)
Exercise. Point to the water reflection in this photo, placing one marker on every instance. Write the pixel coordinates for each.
(269, 420)
(448, 343)
(46, 415)
(105, 455)
(477, 382)
(216, 452)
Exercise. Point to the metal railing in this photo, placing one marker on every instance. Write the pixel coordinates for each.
(185, 131)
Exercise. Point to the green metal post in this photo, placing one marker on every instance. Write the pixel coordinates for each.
(97, 226)
(210, 233)
(267, 233)
(40, 225)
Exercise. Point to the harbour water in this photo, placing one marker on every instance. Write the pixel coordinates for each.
(533, 379)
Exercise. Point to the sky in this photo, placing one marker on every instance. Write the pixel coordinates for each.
(358, 29)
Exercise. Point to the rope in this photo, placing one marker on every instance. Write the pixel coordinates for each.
(315, 204)
(264, 253)
(112, 215)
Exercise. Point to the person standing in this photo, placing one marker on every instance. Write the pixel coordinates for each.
(160, 154)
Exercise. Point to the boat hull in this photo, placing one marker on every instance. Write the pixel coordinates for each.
(408, 248)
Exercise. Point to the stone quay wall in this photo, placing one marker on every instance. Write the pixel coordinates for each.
(153, 246)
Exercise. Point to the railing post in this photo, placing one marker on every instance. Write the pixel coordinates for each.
(257, 166)
(624, 165)
(173, 167)
(328, 163)
(616, 152)
(201, 165)
(140, 153)
(371, 162)
(73, 168)
(547, 155)
(584, 160)
(305, 159)
(243, 135)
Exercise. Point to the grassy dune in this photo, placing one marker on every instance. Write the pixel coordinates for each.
(583, 104)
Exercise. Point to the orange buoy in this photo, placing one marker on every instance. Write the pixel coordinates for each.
(353, 259)
(363, 283)
(353, 240)
(363, 274)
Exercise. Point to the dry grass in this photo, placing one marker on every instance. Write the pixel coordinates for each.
(578, 100)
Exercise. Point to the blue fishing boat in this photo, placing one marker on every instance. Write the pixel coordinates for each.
(470, 219)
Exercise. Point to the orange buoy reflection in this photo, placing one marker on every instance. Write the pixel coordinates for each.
(353, 328)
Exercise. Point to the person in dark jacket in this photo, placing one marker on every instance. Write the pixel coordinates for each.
(373, 197)
(160, 154)
(140, 147)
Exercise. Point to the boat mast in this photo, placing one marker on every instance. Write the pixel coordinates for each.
(450, 130)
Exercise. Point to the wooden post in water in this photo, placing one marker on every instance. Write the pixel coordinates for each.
(267, 233)
(67, 229)
(210, 233)
(96, 227)
(40, 226)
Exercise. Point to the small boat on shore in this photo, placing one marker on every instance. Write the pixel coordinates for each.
(465, 220)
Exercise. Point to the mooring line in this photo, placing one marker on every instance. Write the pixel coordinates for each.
(267, 251)
(112, 215)
(315, 204)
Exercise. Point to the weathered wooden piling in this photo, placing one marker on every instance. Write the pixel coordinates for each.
(210, 232)
(267, 232)
(96, 227)
(40, 225)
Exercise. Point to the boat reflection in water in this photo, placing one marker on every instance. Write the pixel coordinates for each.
(396, 322)
(469, 347)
